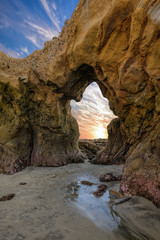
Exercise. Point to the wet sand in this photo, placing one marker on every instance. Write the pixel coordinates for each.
(55, 205)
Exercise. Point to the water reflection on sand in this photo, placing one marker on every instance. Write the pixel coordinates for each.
(53, 204)
(110, 218)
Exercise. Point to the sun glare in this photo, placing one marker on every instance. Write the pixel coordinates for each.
(100, 132)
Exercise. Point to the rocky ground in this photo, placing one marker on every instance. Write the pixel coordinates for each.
(60, 204)
(90, 147)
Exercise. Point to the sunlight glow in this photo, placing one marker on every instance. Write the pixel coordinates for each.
(100, 132)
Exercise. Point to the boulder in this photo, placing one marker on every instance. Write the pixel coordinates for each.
(109, 177)
(90, 147)
(101, 190)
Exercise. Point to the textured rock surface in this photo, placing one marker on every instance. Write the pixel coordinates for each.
(117, 145)
(109, 177)
(91, 147)
(116, 44)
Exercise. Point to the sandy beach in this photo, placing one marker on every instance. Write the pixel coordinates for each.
(53, 204)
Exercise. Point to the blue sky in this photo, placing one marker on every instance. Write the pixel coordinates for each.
(26, 24)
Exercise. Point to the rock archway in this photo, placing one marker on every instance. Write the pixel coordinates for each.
(118, 46)
(92, 114)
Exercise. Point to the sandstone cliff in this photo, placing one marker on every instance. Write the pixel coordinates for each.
(117, 44)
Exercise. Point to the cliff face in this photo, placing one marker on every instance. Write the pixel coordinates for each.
(117, 44)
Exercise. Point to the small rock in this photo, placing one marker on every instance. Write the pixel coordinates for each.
(54, 38)
(108, 177)
(7, 197)
(84, 182)
(22, 183)
(114, 194)
(66, 22)
(101, 190)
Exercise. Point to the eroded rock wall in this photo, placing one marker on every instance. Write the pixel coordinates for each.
(37, 127)
(117, 44)
(117, 145)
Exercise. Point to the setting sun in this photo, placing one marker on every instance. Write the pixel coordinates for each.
(100, 132)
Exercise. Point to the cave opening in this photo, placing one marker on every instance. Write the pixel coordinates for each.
(85, 107)
(92, 113)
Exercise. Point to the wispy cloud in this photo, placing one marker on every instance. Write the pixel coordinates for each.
(18, 53)
(10, 52)
(40, 34)
(51, 13)
(17, 16)
(4, 22)
(25, 50)
(34, 40)
(54, 6)
(92, 113)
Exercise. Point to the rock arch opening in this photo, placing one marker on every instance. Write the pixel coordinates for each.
(92, 113)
